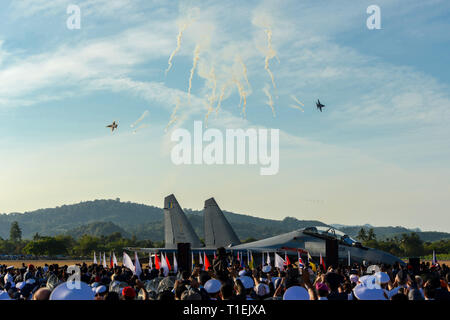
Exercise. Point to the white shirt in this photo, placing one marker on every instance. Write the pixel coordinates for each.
(9, 278)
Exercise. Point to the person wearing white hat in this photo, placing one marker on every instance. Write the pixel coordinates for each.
(266, 269)
(69, 291)
(100, 292)
(262, 290)
(382, 279)
(9, 276)
(296, 293)
(248, 284)
(363, 292)
(212, 286)
(20, 285)
(242, 273)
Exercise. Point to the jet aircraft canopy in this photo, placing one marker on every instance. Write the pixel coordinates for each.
(330, 232)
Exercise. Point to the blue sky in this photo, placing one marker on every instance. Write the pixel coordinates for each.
(378, 154)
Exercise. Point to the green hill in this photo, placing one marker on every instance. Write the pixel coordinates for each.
(103, 217)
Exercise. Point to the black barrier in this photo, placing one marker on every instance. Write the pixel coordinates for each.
(184, 256)
(332, 253)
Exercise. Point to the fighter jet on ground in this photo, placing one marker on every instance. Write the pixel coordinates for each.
(219, 233)
(113, 126)
(319, 105)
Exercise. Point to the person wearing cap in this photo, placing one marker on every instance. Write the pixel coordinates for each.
(190, 295)
(363, 292)
(296, 293)
(322, 291)
(382, 279)
(128, 293)
(262, 290)
(261, 287)
(212, 286)
(9, 276)
(100, 292)
(248, 285)
(29, 273)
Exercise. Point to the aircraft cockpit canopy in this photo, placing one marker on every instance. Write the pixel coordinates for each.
(332, 233)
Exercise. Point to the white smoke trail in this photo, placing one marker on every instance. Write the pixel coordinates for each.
(270, 101)
(244, 72)
(212, 98)
(142, 126)
(140, 119)
(271, 53)
(173, 117)
(194, 66)
(296, 106)
(296, 100)
(243, 96)
(222, 94)
(182, 29)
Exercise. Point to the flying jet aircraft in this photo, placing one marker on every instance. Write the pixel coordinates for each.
(319, 105)
(219, 233)
(113, 126)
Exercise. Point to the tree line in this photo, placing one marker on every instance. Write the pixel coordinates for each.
(406, 245)
(65, 245)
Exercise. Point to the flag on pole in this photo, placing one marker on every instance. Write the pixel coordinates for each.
(100, 258)
(238, 259)
(215, 257)
(434, 262)
(200, 260)
(175, 263)
(286, 259)
(193, 262)
(300, 261)
(322, 262)
(104, 260)
(157, 263)
(262, 258)
(164, 265)
(268, 259)
(242, 262)
(251, 263)
(150, 262)
(111, 263)
(95, 258)
(127, 262)
(137, 265)
(279, 262)
(168, 262)
(207, 264)
(114, 259)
